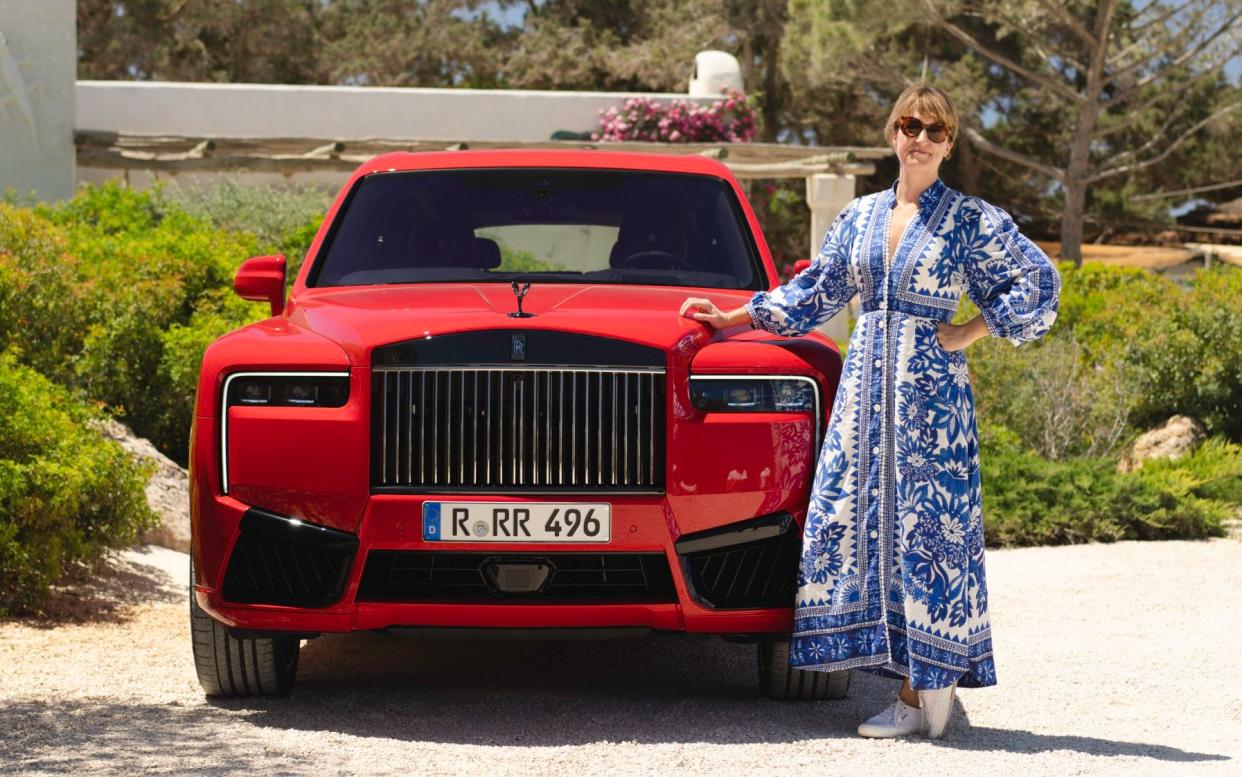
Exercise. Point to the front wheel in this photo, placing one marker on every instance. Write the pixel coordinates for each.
(778, 680)
(229, 666)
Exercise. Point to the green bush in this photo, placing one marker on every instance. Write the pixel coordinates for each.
(1059, 402)
(41, 299)
(1129, 350)
(143, 268)
(282, 219)
(1189, 357)
(1031, 500)
(66, 492)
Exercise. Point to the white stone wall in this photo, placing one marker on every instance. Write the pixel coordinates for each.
(333, 112)
(38, 64)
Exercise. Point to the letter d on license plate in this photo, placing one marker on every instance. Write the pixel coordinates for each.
(517, 522)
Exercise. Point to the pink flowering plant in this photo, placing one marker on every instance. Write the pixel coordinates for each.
(730, 120)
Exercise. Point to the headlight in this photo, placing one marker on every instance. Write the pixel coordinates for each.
(753, 395)
(293, 390)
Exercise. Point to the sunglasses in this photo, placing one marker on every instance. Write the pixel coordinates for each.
(911, 127)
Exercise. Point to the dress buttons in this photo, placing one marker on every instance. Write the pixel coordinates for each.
(874, 534)
(875, 492)
(875, 449)
(879, 362)
(876, 407)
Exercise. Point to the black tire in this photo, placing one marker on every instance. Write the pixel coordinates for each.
(778, 680)
(229, 666)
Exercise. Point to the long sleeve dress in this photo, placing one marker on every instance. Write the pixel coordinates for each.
(891, 579)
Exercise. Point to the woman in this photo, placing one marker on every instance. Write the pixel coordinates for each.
(891, 579)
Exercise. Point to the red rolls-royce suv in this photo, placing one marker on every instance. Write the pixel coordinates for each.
(479, 409)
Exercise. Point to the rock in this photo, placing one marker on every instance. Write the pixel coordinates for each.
(1179, 435)
(168, 490)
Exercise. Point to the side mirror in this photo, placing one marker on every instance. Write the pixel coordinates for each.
(262, 278)
(801, 265)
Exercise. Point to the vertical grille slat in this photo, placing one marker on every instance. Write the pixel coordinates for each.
(547, 428)
(653, 410)
(475, 420)
(638, 426)
(534, 429)
(586, 431)
(407, 407)
(422, 424)
(599, 430)
(614, 410)
(626, 445)
(573, 434)
(489, 415)
(543, 428)
(382, 401)
(435, 430)
(560, 427)
(461, 428)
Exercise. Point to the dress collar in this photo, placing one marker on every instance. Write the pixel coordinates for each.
(927, 200)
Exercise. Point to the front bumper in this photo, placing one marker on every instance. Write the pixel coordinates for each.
(733, 579)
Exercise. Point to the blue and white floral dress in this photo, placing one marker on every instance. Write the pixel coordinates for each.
(891, 579)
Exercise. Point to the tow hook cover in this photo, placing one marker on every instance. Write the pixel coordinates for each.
(516, 578)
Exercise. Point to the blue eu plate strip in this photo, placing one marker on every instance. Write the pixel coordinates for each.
(431, 520)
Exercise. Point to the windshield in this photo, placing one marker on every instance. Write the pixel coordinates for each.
(554, 225)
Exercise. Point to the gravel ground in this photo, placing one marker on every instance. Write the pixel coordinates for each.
(1112, 659)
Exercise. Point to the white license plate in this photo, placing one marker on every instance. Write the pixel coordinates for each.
(517, 522)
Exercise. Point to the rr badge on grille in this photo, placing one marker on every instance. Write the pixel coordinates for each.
(517, 351)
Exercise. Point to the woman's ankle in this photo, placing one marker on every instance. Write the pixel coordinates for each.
(908, 694)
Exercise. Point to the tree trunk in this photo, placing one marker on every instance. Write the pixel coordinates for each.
(773, 92)
(1080, 143)
(1071, 219)
(1076, 182)
(967, 165)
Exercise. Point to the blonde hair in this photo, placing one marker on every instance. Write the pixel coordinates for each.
(927, 100)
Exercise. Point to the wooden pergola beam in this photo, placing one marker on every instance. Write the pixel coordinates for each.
(111, 150)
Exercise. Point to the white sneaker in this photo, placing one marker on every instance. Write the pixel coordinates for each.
(894, 721)
(936, 707)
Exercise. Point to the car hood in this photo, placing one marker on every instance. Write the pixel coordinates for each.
(362, 318)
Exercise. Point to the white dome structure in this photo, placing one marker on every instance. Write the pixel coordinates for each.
(715, 72)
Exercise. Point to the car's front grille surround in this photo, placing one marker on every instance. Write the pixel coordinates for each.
(435, 576)
(518, 428)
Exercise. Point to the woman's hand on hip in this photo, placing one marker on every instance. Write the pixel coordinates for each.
(955, 337)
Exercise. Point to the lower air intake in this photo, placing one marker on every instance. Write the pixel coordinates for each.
(280, 560)
(747, 565)
(530, 578)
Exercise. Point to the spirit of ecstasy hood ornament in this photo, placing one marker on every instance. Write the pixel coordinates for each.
(519, 291)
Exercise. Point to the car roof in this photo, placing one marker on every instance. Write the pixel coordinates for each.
(541, 157)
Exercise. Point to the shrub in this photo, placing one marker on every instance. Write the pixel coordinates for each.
(94, 285)
(1059, 402)
(1129, 349)
(41, 301)
(1031, 500)
(282, 219)
(1189, 357)
(66, 492)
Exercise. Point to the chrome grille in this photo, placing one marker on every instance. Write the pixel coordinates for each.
(515, 428)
